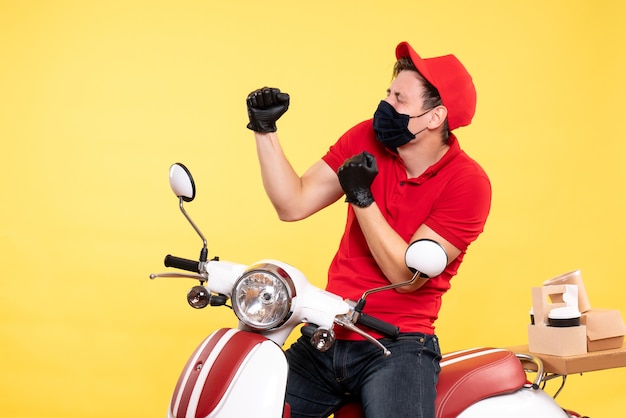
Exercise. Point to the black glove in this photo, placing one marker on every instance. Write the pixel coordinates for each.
(265, 106)
(356, 175)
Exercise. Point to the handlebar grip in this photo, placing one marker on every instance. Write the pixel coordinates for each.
(384, 328)
(308, 330)
(182, 263)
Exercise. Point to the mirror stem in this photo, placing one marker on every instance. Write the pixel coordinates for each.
(203, 253)
(361, 303)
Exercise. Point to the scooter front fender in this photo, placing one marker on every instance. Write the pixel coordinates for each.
(232, 373)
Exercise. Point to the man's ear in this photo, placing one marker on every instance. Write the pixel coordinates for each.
(437, 116)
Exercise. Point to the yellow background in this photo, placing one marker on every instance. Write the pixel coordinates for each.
(98, 98)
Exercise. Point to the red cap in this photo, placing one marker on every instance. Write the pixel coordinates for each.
(451, 79)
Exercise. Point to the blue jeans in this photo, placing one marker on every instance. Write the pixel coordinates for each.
(401, 385)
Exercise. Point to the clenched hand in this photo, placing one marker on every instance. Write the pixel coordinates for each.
(356, 175)
(265, 107)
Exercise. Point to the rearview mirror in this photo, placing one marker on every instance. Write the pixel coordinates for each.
(427, 257)
(181, 182)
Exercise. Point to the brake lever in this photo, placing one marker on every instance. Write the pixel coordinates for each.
(344, 321)
(200, 277)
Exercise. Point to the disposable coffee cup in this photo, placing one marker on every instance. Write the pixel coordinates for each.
(564, 317)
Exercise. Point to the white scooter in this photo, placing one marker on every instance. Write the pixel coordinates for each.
(243, 372)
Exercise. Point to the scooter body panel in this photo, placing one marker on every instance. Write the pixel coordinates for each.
(232, 373)
(522, 404)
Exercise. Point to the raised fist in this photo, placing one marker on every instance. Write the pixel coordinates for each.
(265, 107)
(356, 175)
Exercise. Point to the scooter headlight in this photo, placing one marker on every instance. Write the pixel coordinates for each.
(262, 296)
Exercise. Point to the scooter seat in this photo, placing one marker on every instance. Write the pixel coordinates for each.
(467, 377)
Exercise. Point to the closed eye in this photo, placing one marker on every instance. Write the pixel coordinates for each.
(397, 95)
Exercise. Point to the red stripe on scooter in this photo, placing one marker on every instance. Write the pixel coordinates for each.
(181, 378)
(224, 369)
(181, 412)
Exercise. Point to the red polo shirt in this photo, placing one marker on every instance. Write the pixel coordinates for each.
(452, 197)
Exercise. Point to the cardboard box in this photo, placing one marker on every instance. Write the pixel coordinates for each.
(573, 277)
(584, 363)
(555, 341)
(546, 298)
(605, 329)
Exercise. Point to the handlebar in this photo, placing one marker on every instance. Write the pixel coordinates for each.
(182, 263)
(378, 325)
(375, 324)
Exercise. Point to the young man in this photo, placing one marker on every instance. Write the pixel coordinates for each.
(405, 177)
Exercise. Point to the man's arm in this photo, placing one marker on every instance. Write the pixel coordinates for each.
(386, 245)
(388, 248)
(293, 197)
